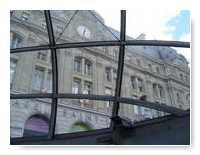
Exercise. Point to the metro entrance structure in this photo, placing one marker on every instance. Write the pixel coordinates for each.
(76, 92)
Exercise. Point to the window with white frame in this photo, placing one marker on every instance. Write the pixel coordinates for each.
(87, 88)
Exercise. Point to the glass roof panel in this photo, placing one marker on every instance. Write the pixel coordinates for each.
(81, 26)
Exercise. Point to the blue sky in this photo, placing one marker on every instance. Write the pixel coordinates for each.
(180, 25)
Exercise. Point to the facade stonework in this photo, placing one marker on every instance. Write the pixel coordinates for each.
(160, 73)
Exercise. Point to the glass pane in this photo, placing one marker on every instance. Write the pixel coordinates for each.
(29, 117)
(82, 25)
(31, 72)
(159, 73)
(87, 70)
(75, 115)
(173, 25)
(27, 28)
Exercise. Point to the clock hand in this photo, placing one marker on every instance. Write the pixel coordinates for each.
(84, 31)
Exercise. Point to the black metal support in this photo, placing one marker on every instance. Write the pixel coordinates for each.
(120, 66)
(52, 124)
(104, 43)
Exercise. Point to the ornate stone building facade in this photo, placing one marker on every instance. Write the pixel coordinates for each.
(160, 73)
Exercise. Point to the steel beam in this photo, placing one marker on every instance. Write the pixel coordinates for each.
(52, 124)
(120, 67)
(104, 43)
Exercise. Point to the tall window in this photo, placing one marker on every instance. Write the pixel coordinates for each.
(155, 92)
(87, 88)
(133, 82)
(181, 76)
(188, 98)
(16, 41)
(88, 67)
(13, 65)
(140, 85)
(108, 74)
(76, 86)
(158, 91)
(49, 81)
(150, 67)
(157, 69)
(178, 97)
(108, 91)
(77, 64)
(161, 91)
(42, 55)
(138, 62)
(115, 53)
(38, 78)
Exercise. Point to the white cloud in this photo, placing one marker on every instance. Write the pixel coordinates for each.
(151, 22)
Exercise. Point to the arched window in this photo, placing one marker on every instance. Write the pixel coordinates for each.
(79, 127)
(36, 125)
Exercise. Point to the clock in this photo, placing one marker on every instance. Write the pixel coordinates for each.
(83, 31)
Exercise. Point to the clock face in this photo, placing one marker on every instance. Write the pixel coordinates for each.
(84, 31)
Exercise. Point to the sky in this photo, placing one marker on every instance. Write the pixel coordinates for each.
(172, 25)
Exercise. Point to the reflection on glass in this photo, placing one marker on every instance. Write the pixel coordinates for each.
(86, 70)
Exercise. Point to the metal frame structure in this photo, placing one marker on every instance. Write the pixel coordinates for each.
(116, 99)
